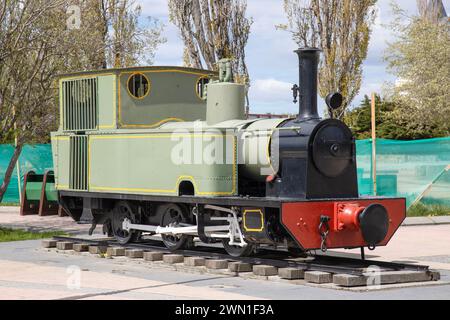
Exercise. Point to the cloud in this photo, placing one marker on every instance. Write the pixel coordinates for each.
(272, 65)
(270, 90)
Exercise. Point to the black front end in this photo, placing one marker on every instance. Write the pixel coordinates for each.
(314, 158)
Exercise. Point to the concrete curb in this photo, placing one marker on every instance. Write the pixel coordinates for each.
(426, 221)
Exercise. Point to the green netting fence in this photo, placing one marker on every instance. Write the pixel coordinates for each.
(36, 157)
(404, 168)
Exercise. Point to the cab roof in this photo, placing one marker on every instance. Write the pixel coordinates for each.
(143, 69)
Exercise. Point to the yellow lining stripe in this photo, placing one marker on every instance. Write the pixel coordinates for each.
(196, 85)
(92, 76)
(162, 121)
(149, 126)
(87, 76)
(180, 178)
(262, 220)
(149, 86)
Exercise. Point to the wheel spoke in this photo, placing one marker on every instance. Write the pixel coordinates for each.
(174, 216)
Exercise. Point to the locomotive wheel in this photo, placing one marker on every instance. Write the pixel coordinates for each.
(123, 211)
(173, 215)
(237, 251)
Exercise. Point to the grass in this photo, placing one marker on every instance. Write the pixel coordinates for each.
(7, 234)
(9, 204)
(423, 210)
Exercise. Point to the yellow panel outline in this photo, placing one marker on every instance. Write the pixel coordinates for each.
(59, 138)
(92, 76)
(179, 179)
(148, 90)
(150, 71)
(196, 85)
(262, 221)
(95, 75)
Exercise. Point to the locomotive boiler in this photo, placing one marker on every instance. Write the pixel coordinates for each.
(168, 151)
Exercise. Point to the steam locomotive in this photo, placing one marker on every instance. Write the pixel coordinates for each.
(169, 151)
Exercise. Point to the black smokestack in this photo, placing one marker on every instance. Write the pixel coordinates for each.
(309, 64)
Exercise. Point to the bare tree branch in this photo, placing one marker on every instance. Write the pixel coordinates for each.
(211, 30)
(341, 28)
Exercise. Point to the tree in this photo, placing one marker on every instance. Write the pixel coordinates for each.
(126, 41)
(420, 59)
(26, 92)
(109, 34)
(212, 30)
(341, 28)
(40, 39)
(360, 118)
(432, 10)
(387, 125)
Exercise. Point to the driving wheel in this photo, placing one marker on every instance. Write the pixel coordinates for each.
(123, 211)
(173, 215)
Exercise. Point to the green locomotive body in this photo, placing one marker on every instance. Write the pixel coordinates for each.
(169, 151)
(113, 140)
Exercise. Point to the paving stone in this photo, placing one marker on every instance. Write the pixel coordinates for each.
(81, 247)
(216, 264)
(385, 277)
(291, 273)
(263, 270)
(240, 267)
(115, 251)
(153, 256)
(97, 249)
(194, 261)
(134, 253)
(318, 277)
(173, 258)
(435, 275)
(48, 243)
(348, 280)
(64, 245)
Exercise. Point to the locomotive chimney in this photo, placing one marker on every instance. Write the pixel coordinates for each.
(307, 90)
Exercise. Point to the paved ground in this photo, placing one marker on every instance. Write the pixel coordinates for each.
(29, 272)
(10, 217)
(429, 245)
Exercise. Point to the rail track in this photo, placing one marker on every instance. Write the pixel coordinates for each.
(318, 269)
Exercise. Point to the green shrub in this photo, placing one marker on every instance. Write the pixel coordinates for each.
(422, 210)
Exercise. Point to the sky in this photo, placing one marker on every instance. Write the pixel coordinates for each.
(272, 64)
